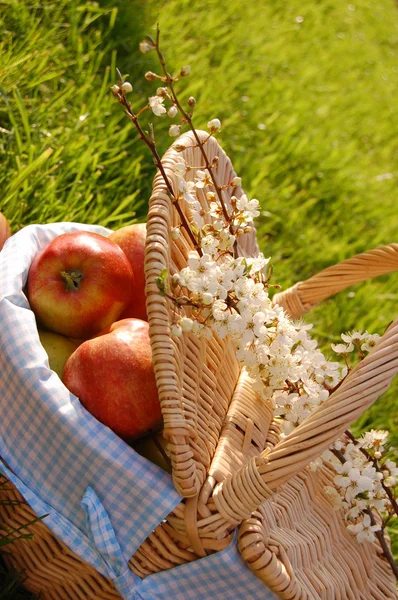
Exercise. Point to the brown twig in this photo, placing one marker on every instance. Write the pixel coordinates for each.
(383, 543)
(188, 119)
(152, 146)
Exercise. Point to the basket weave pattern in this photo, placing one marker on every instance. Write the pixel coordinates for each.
(226, 456)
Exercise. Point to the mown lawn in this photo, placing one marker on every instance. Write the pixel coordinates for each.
(306, 93)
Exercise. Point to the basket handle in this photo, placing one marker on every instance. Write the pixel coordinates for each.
(240, 495)
(304, 295)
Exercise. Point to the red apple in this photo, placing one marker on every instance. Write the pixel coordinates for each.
(79, 283)
(131, 240)
(112, 375)
(5, 230)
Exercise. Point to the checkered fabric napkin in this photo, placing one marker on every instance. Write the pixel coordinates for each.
(101, 497)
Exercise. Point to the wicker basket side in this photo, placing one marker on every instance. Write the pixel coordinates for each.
(196, 378)
(49, 567)
(299, 546)
(248, 429)
(237, 497)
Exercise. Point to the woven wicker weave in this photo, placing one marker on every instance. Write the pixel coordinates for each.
(227, 462)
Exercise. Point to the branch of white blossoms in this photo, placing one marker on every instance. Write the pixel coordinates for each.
(221, 293)
(120, 91)
(158, 105)
(365, 486)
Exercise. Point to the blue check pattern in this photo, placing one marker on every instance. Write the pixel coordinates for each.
(102, 499)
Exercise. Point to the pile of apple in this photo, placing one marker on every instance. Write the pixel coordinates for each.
(88, 295)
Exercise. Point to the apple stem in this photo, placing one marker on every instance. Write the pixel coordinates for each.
(72, 280)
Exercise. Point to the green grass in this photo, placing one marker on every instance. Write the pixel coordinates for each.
(306, 93)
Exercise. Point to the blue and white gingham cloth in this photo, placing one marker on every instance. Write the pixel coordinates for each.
(98, 493)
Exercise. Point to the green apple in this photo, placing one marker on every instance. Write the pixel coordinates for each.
(149, 447)
(58, 347)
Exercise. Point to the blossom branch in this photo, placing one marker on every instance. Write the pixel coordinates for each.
(383, 543)
(373, 460)
(152, 146)
(378, 532)
(188, 119)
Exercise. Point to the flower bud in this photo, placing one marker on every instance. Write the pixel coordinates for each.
(179, 147)
(207, 298)
(390, 482)
(185, 71)
(115, 89)
(175, 233)
(162, 92)
(186, 324)
(236, 182)
(174, 130)
(214, 125)
(127, 87)
(191, 101)
(146, 46)
(149, 76)
(176, 331)
(172, 112)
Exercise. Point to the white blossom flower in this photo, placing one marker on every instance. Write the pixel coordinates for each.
(180, 169)
(248, 207)
(370, 342)
(342, 348)
(364, 530)
(187, 188)
(355, 336)
(236, 182)
(373, 439)
(219, 309)
(209, 244)
(343, 478)
(156, 104)
(257, 264)
(202, 179)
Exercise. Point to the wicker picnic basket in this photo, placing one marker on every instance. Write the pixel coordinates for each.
(227, 461)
